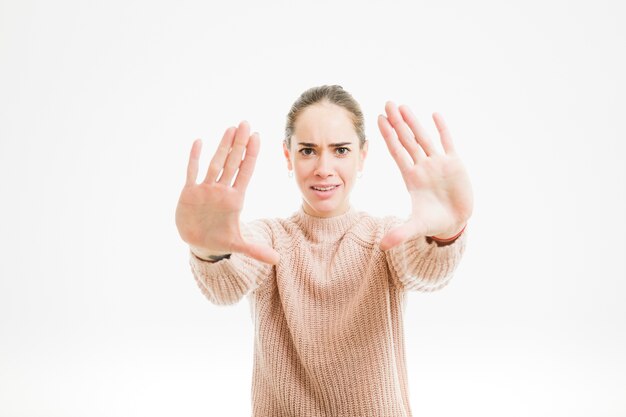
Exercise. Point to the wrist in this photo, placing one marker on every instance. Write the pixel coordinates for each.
(449, 237)
(207, 255)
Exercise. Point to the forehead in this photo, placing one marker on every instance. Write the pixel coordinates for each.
(324, 123)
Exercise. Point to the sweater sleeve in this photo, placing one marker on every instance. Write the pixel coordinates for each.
(227, 281)
(422, 264)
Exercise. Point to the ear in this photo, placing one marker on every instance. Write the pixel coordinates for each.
(287, 156)
(363, 153)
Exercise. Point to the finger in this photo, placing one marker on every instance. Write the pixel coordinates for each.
(192, 166)
(401, 234)
(404, 133)
(444, 133)
(394, 237)
(261, 253)
(393, 144)
(236, 153)
(418, 130)
(247, 166)
(217, 162)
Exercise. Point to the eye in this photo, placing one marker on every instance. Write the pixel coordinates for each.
(346, 150)
(304, 151)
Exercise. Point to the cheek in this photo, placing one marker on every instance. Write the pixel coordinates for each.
(350, 169)
(303, 167)
(301, 172)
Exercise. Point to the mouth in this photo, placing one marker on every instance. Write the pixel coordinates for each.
(325, 189)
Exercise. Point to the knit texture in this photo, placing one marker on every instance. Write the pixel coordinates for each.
(329, 318)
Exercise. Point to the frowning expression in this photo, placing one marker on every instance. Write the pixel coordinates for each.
(325, 157)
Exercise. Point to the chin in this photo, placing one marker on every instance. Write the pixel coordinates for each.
(324, 208)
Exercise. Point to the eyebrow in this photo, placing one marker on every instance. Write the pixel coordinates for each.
(313, 145)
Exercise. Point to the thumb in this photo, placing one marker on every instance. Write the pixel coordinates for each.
(262, 253)
(400, 234)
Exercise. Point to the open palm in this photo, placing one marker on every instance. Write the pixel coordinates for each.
(207, 214)
(439, 186)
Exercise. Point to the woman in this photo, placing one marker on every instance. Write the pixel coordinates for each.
(327, 285)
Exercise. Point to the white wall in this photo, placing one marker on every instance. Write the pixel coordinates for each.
(100, 103)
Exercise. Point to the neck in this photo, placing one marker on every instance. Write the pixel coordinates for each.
(325, 229)
(311, 212)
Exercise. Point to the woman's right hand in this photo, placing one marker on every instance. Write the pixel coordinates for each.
(207, 215)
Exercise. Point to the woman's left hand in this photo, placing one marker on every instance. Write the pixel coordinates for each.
(440, 189)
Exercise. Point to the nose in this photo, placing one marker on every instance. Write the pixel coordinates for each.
(323, 167)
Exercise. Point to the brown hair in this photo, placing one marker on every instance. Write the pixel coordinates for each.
(334, 94)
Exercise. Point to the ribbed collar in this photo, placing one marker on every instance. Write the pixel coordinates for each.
(325, 229)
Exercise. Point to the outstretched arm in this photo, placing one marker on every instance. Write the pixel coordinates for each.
(424, 251)
(207, 218)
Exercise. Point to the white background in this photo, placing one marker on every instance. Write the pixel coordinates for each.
(99, 106)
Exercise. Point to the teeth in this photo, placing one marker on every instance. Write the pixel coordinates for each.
(324, 189)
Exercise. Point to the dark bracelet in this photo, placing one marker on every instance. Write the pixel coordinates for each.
(216, 258)
(443, 242)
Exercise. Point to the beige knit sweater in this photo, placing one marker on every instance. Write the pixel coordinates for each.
(328, 319)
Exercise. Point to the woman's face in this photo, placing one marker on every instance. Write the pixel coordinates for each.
(325, 153)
